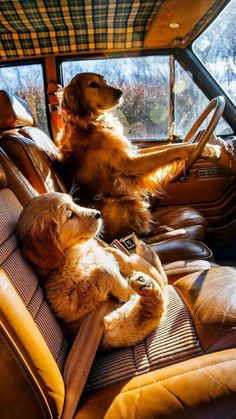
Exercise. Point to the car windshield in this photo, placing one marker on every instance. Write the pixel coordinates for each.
(216, 48)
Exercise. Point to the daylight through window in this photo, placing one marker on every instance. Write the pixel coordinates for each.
(27, 82)
(216, 48)
(145, 85)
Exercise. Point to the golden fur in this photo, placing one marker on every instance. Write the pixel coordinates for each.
(78, 273)
(115, 176)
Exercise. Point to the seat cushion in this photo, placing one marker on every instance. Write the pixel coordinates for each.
(200, 318)
(200, 388)
(210, 297)
(173, 250)
(175, 340)
(35, 162)
(177, 222)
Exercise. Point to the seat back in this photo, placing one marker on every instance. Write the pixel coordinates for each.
(33, 152)
(33, 349)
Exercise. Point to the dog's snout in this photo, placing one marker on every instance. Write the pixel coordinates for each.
(98, 215)
(118, 93)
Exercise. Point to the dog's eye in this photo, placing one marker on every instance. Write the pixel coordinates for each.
(93, 84)
(70, 215)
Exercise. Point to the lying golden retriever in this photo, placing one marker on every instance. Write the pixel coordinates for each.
(79, 273)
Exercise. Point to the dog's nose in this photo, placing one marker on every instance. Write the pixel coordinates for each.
(98, 215)
(118, 93)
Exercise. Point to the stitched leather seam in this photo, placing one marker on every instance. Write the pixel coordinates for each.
(163, 380)
(221, 338)
(190, 319)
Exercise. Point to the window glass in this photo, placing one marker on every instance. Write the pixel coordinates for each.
(145, 85)
(27, 82)
(190, 101)
(216, 48)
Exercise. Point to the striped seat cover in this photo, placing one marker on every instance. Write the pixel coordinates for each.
(175, 340)
(24, 279)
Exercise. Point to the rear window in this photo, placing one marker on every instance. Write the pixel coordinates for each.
(27, 82)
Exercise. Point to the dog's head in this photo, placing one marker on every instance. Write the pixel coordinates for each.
(88, 96)
(51, 224)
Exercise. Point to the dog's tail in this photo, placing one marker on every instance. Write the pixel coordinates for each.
(158, 180)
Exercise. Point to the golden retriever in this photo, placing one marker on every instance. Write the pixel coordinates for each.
(112, 174)
(79, 273)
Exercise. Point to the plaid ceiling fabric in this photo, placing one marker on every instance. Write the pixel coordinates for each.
(37, 27)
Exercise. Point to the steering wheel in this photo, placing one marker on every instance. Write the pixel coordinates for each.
(218, 103)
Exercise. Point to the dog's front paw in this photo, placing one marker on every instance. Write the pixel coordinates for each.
(142, 284)
(212, 151)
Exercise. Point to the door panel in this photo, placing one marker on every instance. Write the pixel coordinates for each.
(208, 188)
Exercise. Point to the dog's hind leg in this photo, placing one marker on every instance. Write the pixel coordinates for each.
(132, 322)
(149, 254)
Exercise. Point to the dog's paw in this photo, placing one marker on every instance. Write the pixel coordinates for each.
(142, 284)
(147, 253)
(212, 151)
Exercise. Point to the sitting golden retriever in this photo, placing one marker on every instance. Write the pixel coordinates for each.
(112, 174)
(79, 273)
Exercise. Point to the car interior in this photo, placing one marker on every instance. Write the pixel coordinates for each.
(186, 368)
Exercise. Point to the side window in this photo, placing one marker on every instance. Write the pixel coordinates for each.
(145, 85)
(190, 101)
(27, 82)
(216, 49)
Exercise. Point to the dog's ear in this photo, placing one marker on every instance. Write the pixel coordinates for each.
(72, 100)
(39, 242)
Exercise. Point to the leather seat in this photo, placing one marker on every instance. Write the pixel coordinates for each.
(17, 123)
(186, 368)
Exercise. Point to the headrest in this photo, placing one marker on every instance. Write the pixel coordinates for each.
(14, 112)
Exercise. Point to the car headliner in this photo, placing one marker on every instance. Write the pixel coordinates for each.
(30, 28)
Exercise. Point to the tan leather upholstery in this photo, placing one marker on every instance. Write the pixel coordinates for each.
(205, 295)
(34, 162)
(31, 383)
(16, 180)
(31, 354)
(202, 387)
(188, 221)
(14, 111)
(179, 268)
(182, 249)
(37, 364)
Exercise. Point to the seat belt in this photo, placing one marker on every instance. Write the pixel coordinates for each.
(81, 356)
